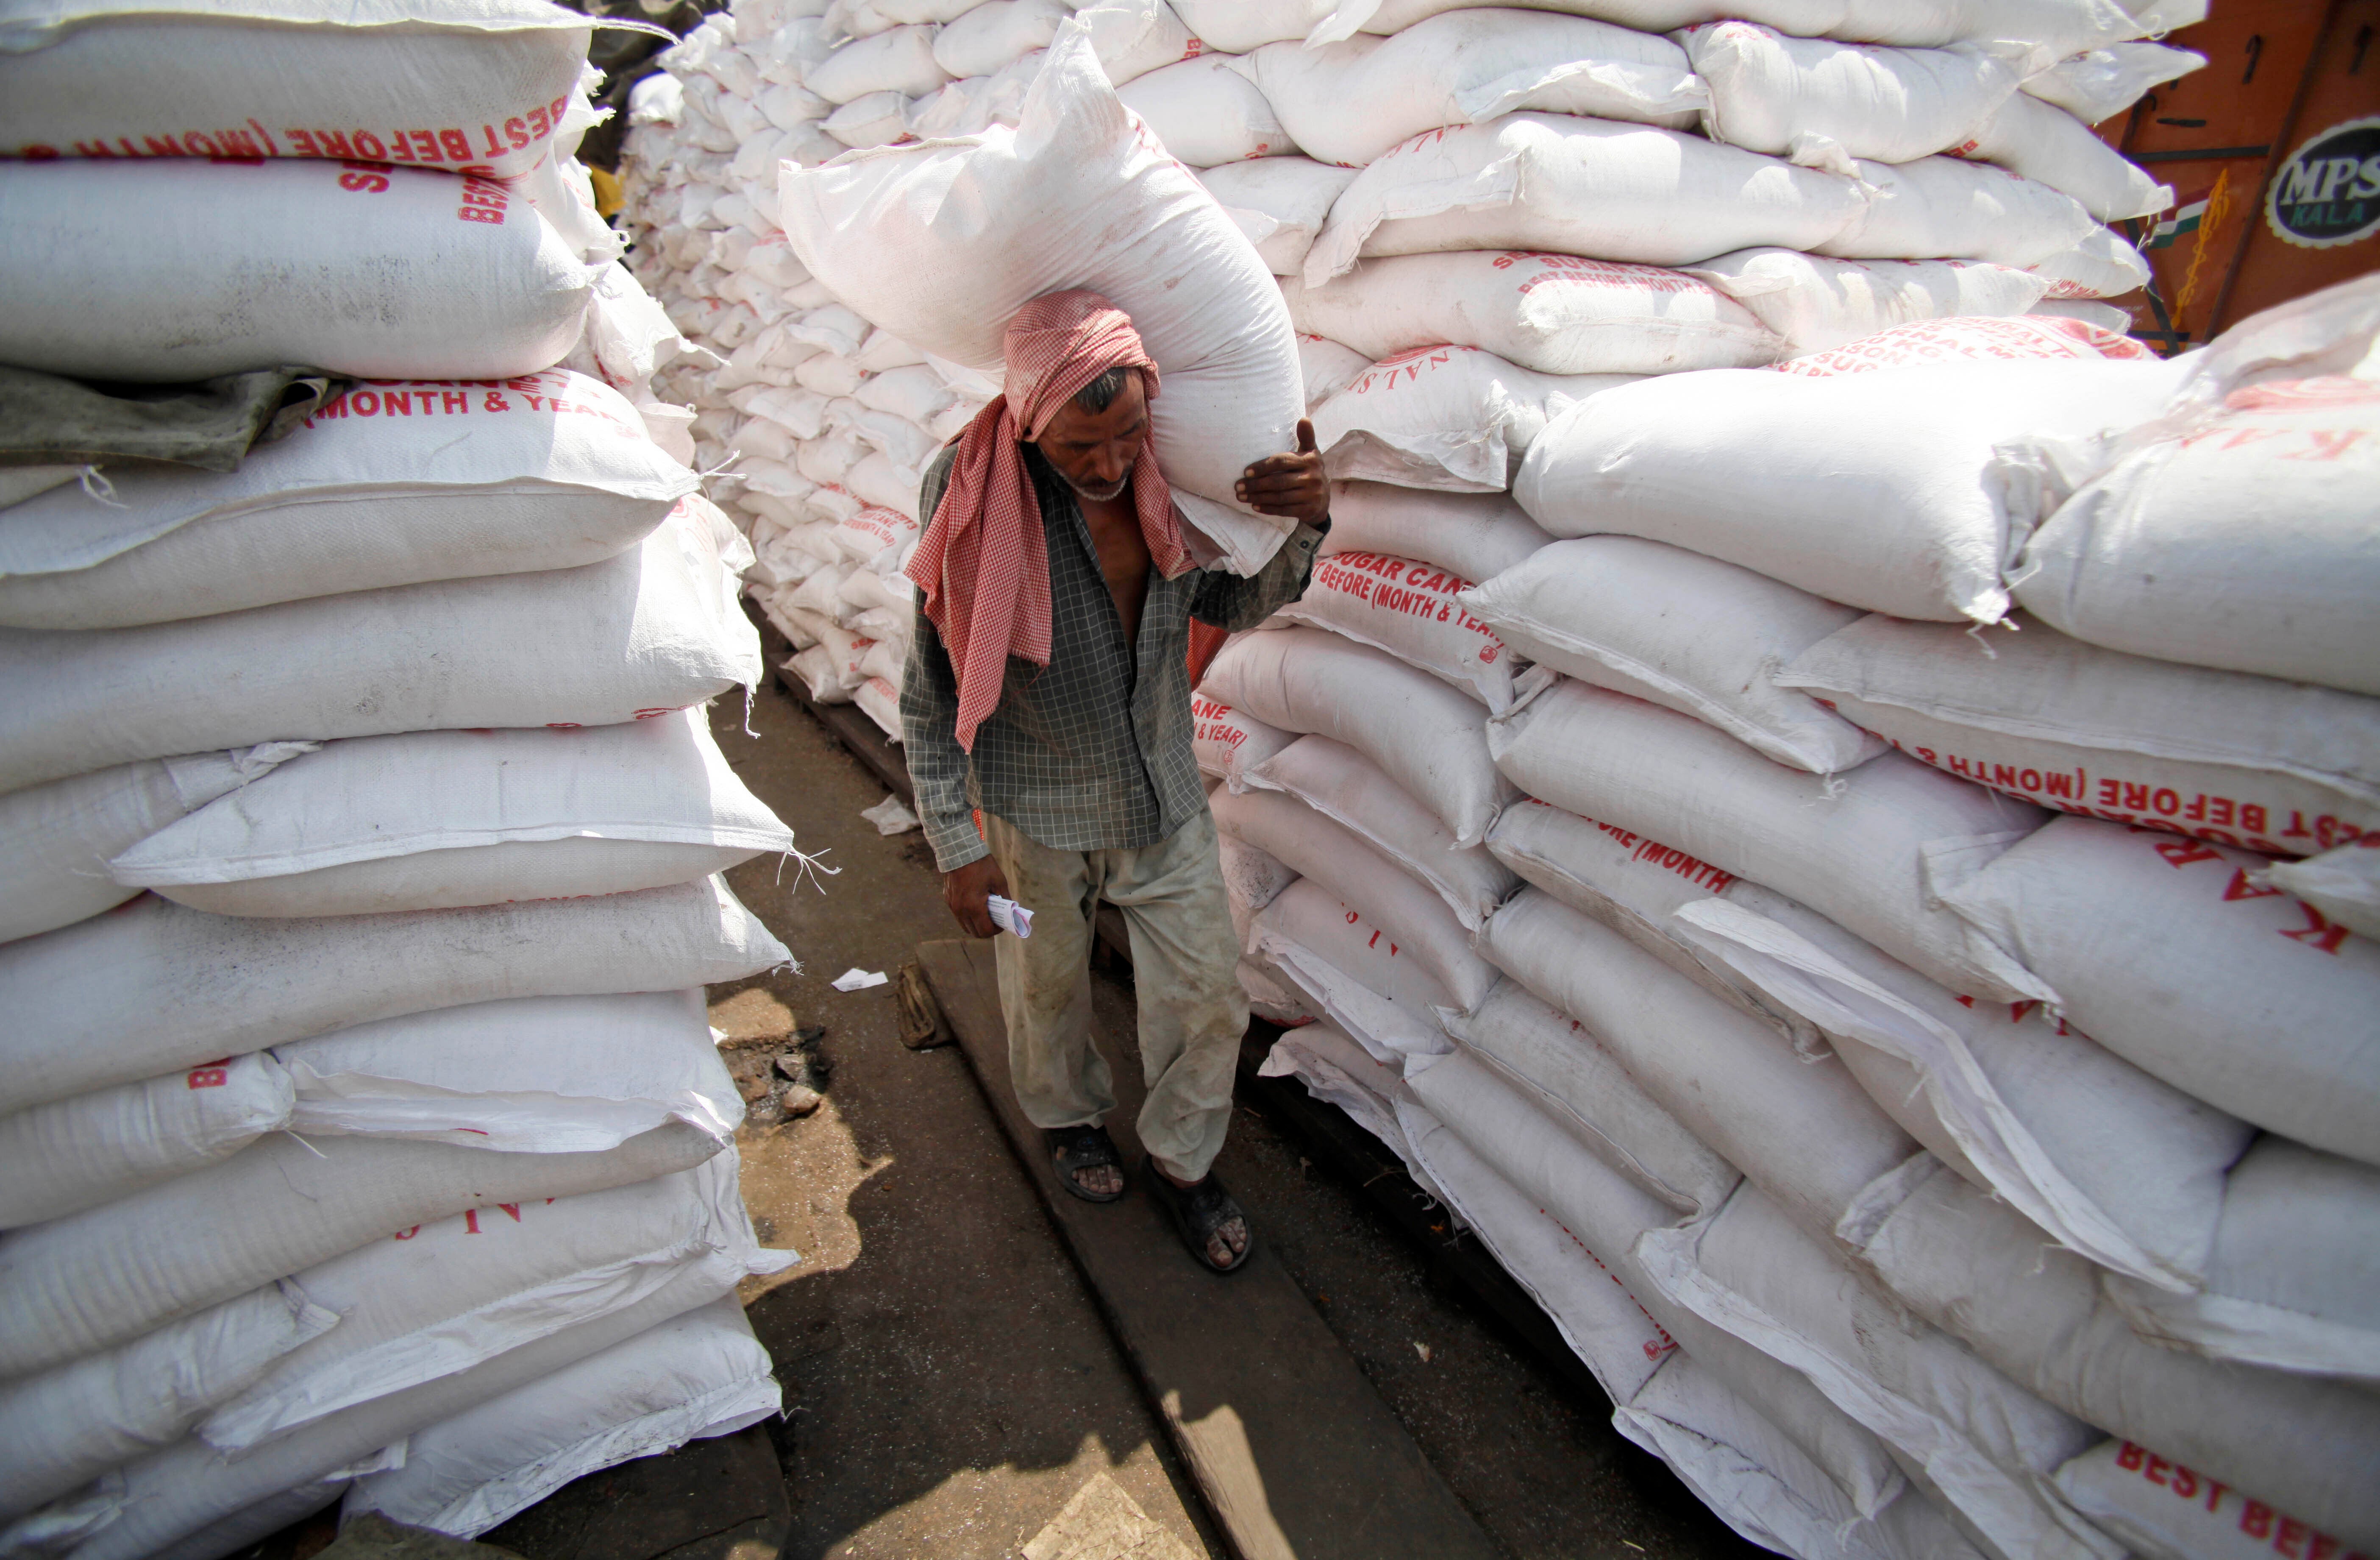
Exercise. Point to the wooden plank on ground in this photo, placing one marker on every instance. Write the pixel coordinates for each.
(1292, 1448)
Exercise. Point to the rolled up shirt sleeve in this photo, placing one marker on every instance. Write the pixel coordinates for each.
(1233, 601)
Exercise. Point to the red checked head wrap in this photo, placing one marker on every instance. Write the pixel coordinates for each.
(983, 563)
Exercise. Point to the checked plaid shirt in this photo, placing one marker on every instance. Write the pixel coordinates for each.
(1093, 753)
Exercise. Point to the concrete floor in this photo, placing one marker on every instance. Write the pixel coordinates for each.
(950, 1386)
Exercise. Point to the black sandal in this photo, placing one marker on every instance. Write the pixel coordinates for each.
(1199, 1212)
(1083, 1148)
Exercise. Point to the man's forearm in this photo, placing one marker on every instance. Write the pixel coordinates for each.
(1233, 603)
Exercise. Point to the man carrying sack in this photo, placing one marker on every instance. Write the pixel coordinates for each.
(1049, 686)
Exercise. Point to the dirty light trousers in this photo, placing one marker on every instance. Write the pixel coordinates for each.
(1184, 961)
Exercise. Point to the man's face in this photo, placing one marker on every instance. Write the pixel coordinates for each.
(1094, 450)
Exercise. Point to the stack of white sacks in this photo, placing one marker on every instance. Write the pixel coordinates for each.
(1699, 400)
(1921, 1171)
(1384, 159)
(363, 1128)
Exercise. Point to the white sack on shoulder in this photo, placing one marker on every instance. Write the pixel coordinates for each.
(1409, 610)
(2038, 333)
(387, 485)
(1751, 467)
(1343, 785)
(1206, 112)
(2243, 541)
(1825, 104)
(1850, 845)
(654, 630)
(55, 840)
(1336, 859)
(1813, 302)
(2162, 950)
(1422, 733)
(1280, 202)
(1808, 1134)
(98, 1278)
(1046, 202)
(1571, 186)
(79, 997)
(2050, 146)
(469, 282)
(1455, 419)
(2272, 766)
(1348, 102)
(442, 820)
(1556, 314)
(495, 83)
(1702, 637)
(529, 1075)
(701, 1375)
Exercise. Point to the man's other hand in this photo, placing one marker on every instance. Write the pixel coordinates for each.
(1290, 484)
(965, 890)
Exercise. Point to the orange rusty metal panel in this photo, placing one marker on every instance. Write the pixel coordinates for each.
(2318, 220)
(2217, 137)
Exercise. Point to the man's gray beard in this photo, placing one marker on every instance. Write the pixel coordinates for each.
(1097, 496)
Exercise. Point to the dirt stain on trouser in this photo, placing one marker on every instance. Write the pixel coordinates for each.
(1185, 962)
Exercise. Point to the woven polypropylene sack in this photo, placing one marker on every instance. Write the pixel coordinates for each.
(1048, 199)
(490, 88)
(80, 996)
(390, 484)
(653, 629)
(469, 281)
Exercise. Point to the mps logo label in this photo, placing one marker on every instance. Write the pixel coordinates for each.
(2328, 192)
